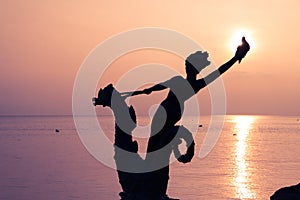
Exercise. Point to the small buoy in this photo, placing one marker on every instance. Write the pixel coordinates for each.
(57, 130)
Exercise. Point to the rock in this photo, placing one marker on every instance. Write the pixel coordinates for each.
(287, 193)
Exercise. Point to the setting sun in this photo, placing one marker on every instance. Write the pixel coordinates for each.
(236, 39)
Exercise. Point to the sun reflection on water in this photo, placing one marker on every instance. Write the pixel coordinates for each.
(243, 125)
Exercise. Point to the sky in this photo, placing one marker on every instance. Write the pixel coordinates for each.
(43, 44)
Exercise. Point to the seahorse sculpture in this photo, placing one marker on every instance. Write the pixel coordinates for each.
(136, 186)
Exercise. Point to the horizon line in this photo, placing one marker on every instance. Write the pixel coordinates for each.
(104, 115)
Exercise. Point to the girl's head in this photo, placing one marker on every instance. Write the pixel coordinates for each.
(197, 61)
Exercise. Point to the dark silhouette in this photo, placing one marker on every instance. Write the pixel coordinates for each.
(135, 186)
(290, 193)
(243, 48)
(165, 136)
(171, 109)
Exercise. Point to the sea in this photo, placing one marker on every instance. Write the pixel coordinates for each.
(44, 158)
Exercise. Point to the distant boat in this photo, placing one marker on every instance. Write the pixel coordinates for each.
(200, 125)
(57, 130)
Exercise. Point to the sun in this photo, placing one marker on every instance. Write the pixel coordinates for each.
(236, 39)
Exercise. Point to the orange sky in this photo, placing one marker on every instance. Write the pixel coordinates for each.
(43, 44)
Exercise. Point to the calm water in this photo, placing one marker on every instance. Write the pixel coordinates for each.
(254, 156)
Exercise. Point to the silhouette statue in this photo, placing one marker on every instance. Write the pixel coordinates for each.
(165, 136)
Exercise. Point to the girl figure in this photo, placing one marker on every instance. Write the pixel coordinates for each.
(171, 108)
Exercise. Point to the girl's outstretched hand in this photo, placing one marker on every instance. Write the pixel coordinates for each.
(242, 50)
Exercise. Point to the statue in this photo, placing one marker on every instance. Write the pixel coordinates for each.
(165, 136)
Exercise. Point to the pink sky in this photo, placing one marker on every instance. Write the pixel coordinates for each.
(43, 44)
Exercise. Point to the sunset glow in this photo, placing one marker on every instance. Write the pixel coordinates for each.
(117, 99)
(243, 125)
(236, 39)
(40, 58)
